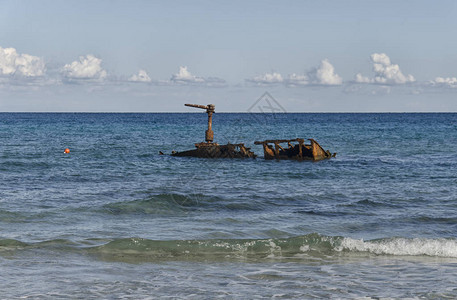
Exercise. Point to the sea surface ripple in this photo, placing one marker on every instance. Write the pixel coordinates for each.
(114, 219)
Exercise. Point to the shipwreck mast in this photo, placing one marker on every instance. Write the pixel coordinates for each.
(209, 149)
(210, 108)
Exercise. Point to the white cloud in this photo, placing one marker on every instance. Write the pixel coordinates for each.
(88, 67)
(267, 78)
(450, 82)
(141, 77)
(385, 72)
(323, 75)
(20, 65)
(184, 77)
(359, 78)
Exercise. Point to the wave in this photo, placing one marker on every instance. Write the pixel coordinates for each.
(366, 203)
(311, 245)
(176, 203)
(323, 213)
(403, 246)
(434, 220)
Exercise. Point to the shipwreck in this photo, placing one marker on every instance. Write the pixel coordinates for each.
(296, 149)
(210, 149)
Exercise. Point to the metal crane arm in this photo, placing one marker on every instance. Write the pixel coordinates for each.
(197, 106)
(209, 135)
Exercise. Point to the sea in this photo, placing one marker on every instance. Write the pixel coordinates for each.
(114, 219)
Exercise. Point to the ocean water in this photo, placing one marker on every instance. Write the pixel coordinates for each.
(115, 220)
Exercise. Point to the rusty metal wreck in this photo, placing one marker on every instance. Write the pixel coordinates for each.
(300, 151)
(209, 149)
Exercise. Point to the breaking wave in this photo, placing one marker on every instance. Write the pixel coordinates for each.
(402, 246)
(307, 245)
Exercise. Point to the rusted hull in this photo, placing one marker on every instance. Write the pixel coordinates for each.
(300, 151)
(218, 151)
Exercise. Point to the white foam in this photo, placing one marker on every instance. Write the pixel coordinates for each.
(304, 248)
(402, 246)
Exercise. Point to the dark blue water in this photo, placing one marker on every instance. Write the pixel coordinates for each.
(114, 219)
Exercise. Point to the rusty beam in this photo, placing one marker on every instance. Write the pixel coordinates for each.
(277, 141)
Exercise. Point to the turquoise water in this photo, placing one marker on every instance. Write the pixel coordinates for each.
(113, 219)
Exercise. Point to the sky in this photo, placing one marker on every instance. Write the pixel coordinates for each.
(154, 56)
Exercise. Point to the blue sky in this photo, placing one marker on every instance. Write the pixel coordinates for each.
(145, 56)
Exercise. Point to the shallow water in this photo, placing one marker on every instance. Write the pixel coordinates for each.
(113, 219)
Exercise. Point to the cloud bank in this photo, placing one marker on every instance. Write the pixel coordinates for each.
(184, 77)
(385, 72)
(21, 70)
(87, 68)
(449, 82)
(322, 75)
(13, 64)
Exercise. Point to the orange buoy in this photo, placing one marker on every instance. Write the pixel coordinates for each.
(67, 150)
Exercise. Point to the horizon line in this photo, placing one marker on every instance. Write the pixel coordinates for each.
(225, 112)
